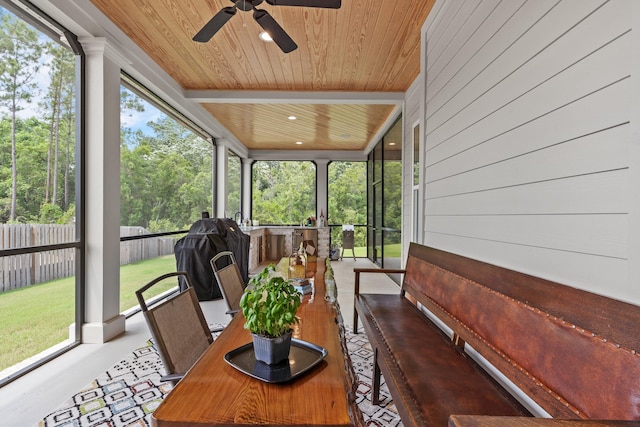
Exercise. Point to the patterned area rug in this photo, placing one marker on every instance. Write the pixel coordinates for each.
(129, 392)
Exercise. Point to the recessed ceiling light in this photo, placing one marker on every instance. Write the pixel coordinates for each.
(298, 142)
(292, 117)
(264, 36)
(392, 143)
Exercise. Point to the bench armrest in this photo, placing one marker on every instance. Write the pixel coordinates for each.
(359, 271)
(356, 287)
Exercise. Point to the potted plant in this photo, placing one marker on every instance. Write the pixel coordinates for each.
(269, 305)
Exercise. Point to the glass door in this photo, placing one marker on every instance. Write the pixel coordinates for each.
(377, 223)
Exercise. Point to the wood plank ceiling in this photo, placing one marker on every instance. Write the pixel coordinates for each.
(341, 84)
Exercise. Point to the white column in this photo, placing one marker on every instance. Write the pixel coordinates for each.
(322, 186)
(246, 187)
(221, 180)
(103, 320)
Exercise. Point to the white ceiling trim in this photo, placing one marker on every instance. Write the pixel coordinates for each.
(85, 20)
(301, 155)
(293, 97)
(384, 128)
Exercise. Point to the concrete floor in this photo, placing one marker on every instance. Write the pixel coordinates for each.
(27, 400)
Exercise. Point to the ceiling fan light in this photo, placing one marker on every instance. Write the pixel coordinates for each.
(265, 37)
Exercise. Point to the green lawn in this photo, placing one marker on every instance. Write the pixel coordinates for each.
(35, 318)
(391, 251)
(134, 276)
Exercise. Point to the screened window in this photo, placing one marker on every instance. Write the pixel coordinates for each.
(385, 199)
(415, 213)
(234, 184)
(38, 183)
(347, 201)
(284, 192)
(165, 175)
(416, 155)
(165, 185)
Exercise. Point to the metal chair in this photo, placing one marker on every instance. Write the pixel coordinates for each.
(229, 280)
(348, 240)
(178, 327)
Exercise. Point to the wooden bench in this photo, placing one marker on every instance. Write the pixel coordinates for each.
(572, 352)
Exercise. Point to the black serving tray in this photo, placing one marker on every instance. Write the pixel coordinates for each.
(302, 357)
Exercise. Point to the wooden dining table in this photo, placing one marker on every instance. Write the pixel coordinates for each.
(214, 393)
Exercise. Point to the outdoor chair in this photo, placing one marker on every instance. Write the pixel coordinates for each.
(178, 327)
(229, 280)
(348, 240)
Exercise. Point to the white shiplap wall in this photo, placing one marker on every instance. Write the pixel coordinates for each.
(411, 116)
(527, 137)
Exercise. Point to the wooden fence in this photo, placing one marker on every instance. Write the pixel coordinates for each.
(141, 249)
(29, 269)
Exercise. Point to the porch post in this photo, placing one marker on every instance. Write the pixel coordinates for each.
(102, 195)
(221, 180)
(246, 187)
(322, 185)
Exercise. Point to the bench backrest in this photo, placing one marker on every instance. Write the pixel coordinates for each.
(574, 352)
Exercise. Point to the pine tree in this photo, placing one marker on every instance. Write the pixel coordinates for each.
(20, 53)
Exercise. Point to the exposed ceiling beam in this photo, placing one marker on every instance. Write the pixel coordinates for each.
(292, 97)
(344, 155)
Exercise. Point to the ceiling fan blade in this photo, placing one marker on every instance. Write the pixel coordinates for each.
(214, 25)
(328, 4)
(279, 36)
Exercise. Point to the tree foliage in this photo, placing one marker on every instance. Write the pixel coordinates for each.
(347, 193)
(347, 202)
(165, 169)
(284, 192)
(165, 177)
(19, 62)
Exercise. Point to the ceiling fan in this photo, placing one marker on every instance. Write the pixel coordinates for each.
(263, 18)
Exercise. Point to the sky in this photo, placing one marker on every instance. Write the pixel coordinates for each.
(133, 120)
(138, 120)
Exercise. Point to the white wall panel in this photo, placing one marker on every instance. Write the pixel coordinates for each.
(595, 153)
(438, 32)
(601, 275)
(603, 109)
(528, 133)
(604, 235)
(492, 58)
(453, 37)
(490, 15)
(585, 194)
(539, 54)
(487, 41)
(411, 115)
(524, 96)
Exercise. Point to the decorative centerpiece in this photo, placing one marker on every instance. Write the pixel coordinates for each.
(297, 268)
(269, 305)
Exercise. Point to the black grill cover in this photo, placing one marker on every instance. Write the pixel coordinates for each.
(238, 243)
(206, 238)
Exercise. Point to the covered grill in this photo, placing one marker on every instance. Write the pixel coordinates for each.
(206, 238)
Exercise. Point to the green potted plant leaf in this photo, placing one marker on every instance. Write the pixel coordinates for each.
(269, 305)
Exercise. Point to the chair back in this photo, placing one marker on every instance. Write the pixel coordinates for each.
(347, 239)
(178, 326)
(230, 281)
